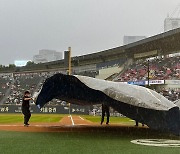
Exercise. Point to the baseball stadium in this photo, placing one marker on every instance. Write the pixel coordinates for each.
(139, 83)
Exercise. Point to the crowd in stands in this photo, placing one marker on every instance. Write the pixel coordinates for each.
(13, 85)
(5, 82)
(21, 82)
(159, 69)
(171, 94)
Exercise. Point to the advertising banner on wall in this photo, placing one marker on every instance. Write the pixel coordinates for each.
(153, 82)
(172, 82)
(58, 109)
(143, 83)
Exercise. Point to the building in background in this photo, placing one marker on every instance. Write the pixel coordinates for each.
(131, 39)
(171, 23)
(47, 56)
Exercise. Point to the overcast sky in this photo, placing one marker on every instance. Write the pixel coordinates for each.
(26, 26)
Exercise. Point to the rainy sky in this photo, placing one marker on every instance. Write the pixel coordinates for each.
(26, 26)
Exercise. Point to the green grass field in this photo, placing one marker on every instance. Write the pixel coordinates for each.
(42, 143)
(72, 143)
(18, 118)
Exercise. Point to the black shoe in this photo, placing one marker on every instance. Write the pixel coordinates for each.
(26, 125)
(107, 123)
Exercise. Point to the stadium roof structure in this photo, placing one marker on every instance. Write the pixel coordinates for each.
(161, 44)
(164, 43)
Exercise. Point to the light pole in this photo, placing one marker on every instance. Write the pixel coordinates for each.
(148, 74)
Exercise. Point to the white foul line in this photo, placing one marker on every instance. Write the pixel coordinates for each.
(72, 120)
(81, 118)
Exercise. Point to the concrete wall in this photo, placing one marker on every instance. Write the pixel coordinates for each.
(105, 73)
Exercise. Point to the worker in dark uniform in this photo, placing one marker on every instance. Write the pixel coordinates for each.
(138, 117)
(105, 110)
(25, 108)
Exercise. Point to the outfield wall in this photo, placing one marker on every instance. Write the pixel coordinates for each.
(48, 109)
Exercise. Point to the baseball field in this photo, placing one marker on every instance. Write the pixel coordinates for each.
(58, 133)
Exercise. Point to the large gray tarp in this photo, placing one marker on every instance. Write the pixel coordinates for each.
(130, 94)
(138, 103)
(177, 102)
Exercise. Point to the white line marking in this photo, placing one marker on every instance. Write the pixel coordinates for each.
(72, 120)
(81, 118)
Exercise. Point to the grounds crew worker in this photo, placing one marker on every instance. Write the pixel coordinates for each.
(25, 108)
(138, 117)
(105, 110)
